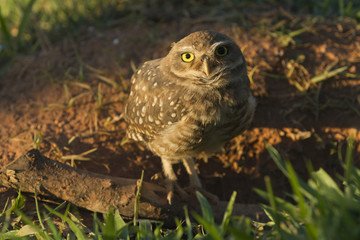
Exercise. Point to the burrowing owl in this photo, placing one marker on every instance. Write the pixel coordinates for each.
(191, 101)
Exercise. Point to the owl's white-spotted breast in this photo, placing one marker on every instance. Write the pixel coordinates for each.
(191, 101)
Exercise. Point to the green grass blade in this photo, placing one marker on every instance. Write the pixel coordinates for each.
(310, 228)
(207, 220)
(273, 213)
(280, 203)
(294, 182)
(19, 203)
(145, 230)
(30, 228)
(327, 75)
(10, 235)
(283, 167)
(5, 31)
(238, 234)
(82, 85)
(38, 211)
(55, 232)
(326, 185)
(77, 231)
(137, 201)
(210, 227)
(298, 32)
(298, 196)
(176, 234)
(188, 224)
(73, 99)
(67, 92)
(79, 59)
(109, 81)
(24, 22)
(274, 154)
(205, 208)
(157, 232)
(133, 67)
(108, 229)
(96, 224)
(99, 97)
(120, 226)
(5, 207)
(228, 212)
(349, 159)
(114, 226)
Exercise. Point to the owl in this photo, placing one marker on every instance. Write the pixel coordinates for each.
(189, 102)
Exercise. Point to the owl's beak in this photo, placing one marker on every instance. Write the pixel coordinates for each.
(205, 66)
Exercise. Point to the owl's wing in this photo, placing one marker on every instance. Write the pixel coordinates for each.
(154, 103)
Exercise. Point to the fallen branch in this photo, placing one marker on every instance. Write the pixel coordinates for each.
(98, 193)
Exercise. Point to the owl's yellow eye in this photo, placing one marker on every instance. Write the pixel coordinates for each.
(187, 57)
(221, 51)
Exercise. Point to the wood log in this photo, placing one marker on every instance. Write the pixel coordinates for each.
(98, 193)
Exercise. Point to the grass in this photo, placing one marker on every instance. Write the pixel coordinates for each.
(342, 8)
(321, 208)
(26, 26)
(61, 224)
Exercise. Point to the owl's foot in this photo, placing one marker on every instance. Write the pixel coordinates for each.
(188, 193)
(170, 191)
(212, 199)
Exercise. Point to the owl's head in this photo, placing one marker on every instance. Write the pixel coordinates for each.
(203, 58)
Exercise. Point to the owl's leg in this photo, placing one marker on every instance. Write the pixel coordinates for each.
(190, 168)
(171, 180)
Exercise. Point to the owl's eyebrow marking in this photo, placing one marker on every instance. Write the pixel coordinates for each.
(221, 43)
(186, 49)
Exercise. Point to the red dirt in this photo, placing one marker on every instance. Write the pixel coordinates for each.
(308, 126)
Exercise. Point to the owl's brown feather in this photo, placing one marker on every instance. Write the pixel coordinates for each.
(180, 109)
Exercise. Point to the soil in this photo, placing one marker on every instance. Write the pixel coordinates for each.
(67, 98)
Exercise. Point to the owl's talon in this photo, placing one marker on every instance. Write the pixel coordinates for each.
(170, 197)
(212, 198)
(171, 192)
(183, 194)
